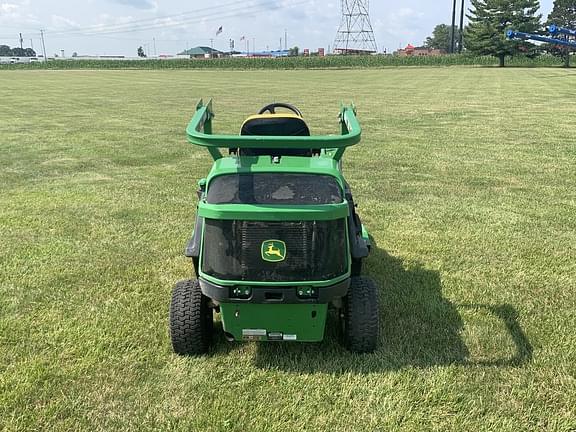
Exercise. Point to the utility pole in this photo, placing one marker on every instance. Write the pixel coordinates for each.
(154, 41)
(453, 36)
(280, 44)
(21, 42)
(32, 44)
(461, 37)
(43, 45)
(211, 48)
(285, 40)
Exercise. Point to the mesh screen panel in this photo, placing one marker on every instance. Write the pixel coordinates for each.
(315, 250)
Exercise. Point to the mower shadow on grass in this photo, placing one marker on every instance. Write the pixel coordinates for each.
(508, 316)
(418, 328)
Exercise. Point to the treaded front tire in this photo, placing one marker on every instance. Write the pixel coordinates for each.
(361, 316)
(191, 322)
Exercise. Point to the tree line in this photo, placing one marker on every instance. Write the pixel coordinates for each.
(489, 20)
(6, 51)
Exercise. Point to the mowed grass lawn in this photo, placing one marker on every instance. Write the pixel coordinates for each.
(466, 179)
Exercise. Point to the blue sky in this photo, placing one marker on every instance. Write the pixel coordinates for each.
(120, 26)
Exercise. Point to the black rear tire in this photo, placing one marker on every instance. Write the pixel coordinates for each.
(356, 267)
(191, 321)
(361, 316)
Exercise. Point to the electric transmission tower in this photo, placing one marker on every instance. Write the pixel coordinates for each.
(355, 35)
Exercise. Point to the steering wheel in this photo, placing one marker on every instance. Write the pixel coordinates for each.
(272, 108)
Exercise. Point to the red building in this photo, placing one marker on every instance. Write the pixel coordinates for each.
(411, 51)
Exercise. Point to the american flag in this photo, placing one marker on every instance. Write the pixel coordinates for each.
(242, 38)
(219, 31)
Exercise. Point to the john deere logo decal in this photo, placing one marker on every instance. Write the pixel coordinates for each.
(273, 250)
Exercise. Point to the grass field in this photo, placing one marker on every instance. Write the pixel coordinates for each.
(466, 178)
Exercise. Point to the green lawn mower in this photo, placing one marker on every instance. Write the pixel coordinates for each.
(277, 240)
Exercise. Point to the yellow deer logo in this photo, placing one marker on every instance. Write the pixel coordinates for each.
(273, 250)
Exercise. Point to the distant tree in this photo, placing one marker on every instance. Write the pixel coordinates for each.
(489, 20)
(18, 52)
(294, 51)
(564, 15)
(74, 54)
(441, 38)
(141, 52)
(5, 51)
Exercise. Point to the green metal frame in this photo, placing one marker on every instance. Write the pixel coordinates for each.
(274, 212)
(305, 322)
(199, 132)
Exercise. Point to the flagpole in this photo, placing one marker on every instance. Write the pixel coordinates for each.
(212, 42)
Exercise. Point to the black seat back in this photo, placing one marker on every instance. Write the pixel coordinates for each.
(275, 125)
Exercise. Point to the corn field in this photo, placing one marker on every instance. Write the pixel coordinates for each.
(293, 62)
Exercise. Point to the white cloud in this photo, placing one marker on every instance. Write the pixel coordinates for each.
(60, 22)
(8, 8)
(138, 4)
(16, 15)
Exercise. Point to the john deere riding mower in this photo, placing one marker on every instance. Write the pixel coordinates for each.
(277, 240)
